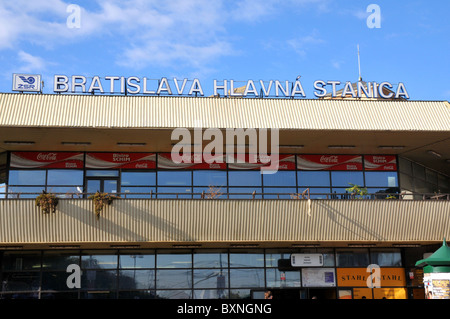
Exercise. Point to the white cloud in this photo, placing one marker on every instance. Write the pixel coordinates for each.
(30, 63)
(301, 44)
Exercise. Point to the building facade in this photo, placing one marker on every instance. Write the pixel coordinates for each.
(361, 193)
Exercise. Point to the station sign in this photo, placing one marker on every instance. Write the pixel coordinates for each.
(226, 87)
(306, 260)
(26, 82)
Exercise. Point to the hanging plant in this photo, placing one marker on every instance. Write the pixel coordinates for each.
(47, 202)
(100, 200)
(357, 190)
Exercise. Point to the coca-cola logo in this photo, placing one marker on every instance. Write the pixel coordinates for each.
(46, 157)
(379, 159)
(329, 159)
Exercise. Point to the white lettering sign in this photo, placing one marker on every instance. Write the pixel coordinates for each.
(306, 260)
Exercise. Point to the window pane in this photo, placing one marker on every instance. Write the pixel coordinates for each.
(138, 192)
(137, 260)
(99, 279)
(21, 261)
(177, 178)
(174, 260)
(380, 179)
(59, 260)
(210, 260)
(64, 177)
(316, 178)
(210, 278)
(244, 178)
(246, 192)
(22, 177)
(102, 173)
(65, 191)
(352, 258)
(20, 281)
(138, 178)
(210, 192)
(386, 257)
(174, 192)
(240, 278)
(280, 178)
(99, 261)
(279, 192)
(173, 278)
(210, 177)
(247, 259)
(347, 178)
(292, 278)
(32, 191)
(137, 279)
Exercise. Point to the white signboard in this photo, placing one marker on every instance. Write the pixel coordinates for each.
(27, 82)
(306, 260)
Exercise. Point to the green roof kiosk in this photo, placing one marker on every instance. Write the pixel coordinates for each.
(436, 273)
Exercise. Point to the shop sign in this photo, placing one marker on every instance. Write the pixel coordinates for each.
(329, 162)
(255, 161)
(380, 163)
(47, 160)
(359, 277)
(121, 160)
(225, 87)
(306, 260)
(26, 82)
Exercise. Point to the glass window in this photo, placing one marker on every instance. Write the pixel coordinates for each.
(174, 259)
(247, 259)
(314, 178)
(344, 178)
(177, 178)
(138, 192)
(253, 277)
(279, 192)
(21, 260)
(137, 260)
(381, 179)
(54, 280)
(352, 258)
(384, 257)
(138, 178)
(173, 278)
(96, 260)
(64, 177)
(174, 192)
(23, 281)
(245, 192)
(210, 278)
(210, 192)
(210, 177)
(59, 260)
(65, 191)
(27, 177)
(102, 173)
(280, 178)
(210, 259)
(137, 279)
(25, 192)
(276, 278)
(99, 280)
(244, 178)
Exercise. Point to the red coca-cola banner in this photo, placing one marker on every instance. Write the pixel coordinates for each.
(193, 161)
(380, 162)
(329, 162)
(121, 160)
(255, 161)
(47, 160)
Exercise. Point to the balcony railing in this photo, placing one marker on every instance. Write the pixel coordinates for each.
(237, 195)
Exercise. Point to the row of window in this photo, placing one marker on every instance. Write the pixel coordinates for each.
(197, 181)
(208, 274)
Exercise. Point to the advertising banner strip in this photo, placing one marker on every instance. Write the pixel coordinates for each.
(121, 160)
(380, 163)
(47, 160)
(330, 162)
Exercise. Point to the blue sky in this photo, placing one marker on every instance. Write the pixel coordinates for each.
(239, 40)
